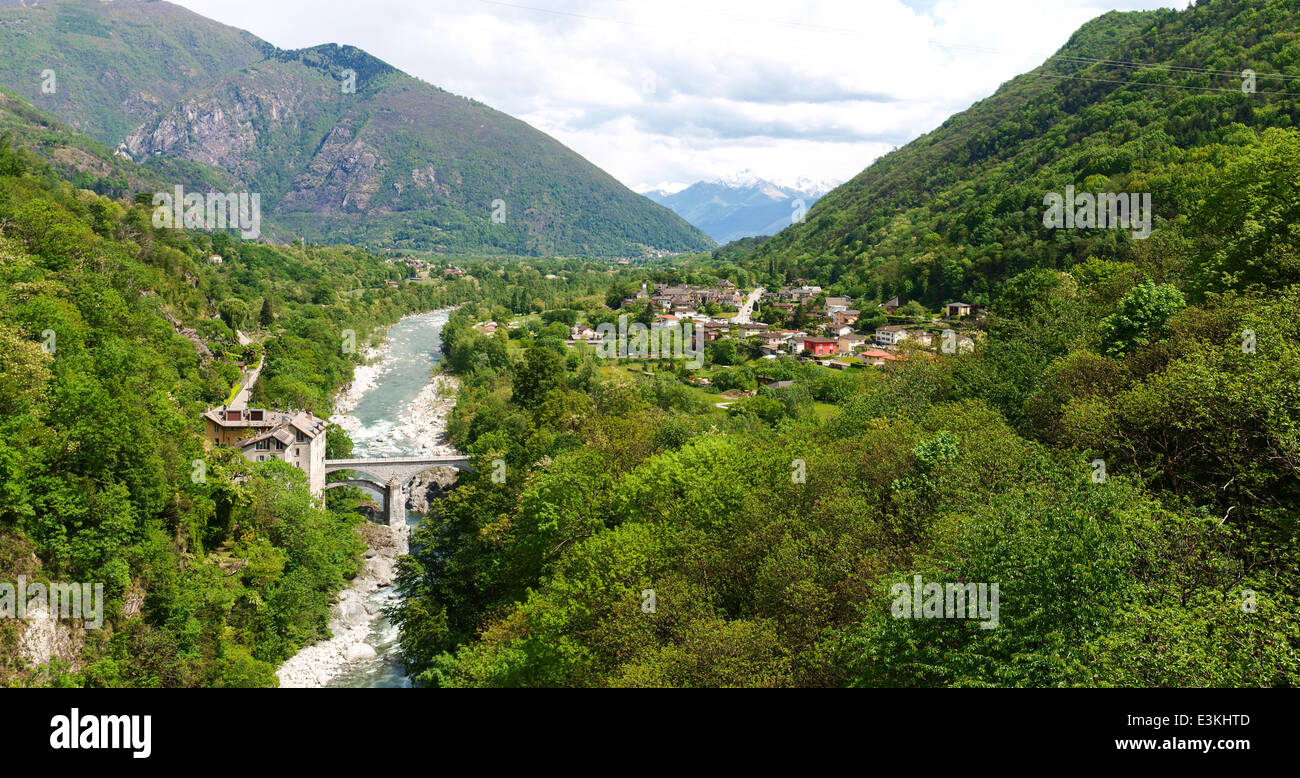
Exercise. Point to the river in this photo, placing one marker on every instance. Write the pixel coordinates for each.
(393, 409)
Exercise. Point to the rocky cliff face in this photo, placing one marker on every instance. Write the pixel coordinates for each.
(343, 176)
(44, 638)
(40, 638)
(287, 129)
(340, 146)
(252, 124)
(428, 487)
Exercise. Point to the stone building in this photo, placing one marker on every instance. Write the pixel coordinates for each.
(296, 437)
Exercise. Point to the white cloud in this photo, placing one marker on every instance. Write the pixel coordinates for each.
(683, 90)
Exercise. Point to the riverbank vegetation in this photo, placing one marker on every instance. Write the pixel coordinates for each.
(770, 539)
(1118, 453)
(116, 336)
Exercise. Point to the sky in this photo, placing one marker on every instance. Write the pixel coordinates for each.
(663, 93)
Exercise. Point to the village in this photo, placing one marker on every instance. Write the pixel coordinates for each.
(740, 343)
(831, 332)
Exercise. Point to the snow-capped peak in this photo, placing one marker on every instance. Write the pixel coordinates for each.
(742, 180)
(777, 187)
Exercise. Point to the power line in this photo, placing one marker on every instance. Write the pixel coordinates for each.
(630, 23)
(763, 20)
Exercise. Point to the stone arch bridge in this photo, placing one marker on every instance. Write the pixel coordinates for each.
(390, 476)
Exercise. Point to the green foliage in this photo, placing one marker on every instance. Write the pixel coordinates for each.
(213, 582)
(957, 212)
(771, 536)
(441, 160)
(1141, 316)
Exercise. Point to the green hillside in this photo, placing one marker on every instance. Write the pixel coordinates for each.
(401, 163)
(959, 210)
(116, 64)
(116, 336)
(398, 163)
(1118, 451)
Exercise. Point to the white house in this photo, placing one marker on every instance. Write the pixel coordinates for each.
(891, 336)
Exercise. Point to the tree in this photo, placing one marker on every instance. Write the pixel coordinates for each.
(1247, 222)
(536, 375)
(723, 351)
(233, 312)
(617, 294)
(647, 316)
(10, 163)
(914, 311)
(267, 317)
(800, 317)
(1142, 315)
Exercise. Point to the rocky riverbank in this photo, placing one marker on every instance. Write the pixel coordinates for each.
(353, 615)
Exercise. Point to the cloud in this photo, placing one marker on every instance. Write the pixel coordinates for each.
(684, 90)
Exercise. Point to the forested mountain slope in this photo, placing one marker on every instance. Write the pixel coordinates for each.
(341, 146)
(116, 336)
(1134, 102)
(116, 65)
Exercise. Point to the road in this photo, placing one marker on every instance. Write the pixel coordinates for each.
(240, 401)
(748, 307)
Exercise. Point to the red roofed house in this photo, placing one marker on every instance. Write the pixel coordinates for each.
(876, 358)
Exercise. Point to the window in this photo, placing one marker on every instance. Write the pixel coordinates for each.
(263, 444)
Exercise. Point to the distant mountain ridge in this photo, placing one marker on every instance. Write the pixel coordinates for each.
(742, 205)
(394, 163)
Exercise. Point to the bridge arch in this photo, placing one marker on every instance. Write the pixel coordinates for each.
(391, 475)
(364, 483)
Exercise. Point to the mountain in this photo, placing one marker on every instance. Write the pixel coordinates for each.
(116, 65)
(742, 205)
(83, 161)
(393, 163)
(1133, 102)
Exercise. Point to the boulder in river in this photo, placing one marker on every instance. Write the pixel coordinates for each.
(360, 652)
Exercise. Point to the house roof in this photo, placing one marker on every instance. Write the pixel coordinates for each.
(274, 423)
